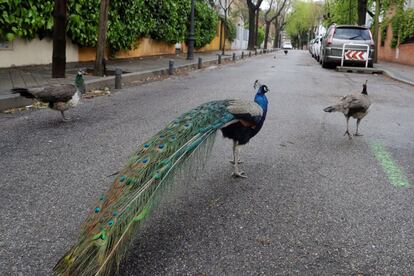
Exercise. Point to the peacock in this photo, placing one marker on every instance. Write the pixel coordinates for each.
(112, 222)
(353, 105)
(60, 97)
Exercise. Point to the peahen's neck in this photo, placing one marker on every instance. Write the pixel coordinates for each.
(80, 83)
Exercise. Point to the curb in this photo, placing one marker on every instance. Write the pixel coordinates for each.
(392, 76)
(374, 71)
(128, 79)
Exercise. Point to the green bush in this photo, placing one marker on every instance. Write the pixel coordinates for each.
(231, 30)
(164, 20)
(205, 24)
(25, 18)
(260, 36)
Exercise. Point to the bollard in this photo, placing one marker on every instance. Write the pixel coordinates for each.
(171, 67)
(234, 56)
(200, 63)
(250, 54)
(242, 55)
(219, 59)
(118, 78)
(255, 52)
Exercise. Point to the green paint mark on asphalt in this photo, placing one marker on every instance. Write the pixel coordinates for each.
(395, 175)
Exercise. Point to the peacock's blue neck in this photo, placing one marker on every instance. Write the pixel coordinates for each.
(261, 100)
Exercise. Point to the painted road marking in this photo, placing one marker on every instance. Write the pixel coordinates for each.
(395, 174)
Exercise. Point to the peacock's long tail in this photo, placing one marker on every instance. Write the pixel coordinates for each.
(111, 224)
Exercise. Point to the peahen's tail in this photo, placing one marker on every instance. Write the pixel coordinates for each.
(24, 92)
(109, 227)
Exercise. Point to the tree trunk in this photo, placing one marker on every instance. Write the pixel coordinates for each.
(256, 32)
(266, 34)
(276, 41)
(101, 45)
(252, 15)
(362, 12)
(59, 39)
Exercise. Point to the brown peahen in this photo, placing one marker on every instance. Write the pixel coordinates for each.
(60, 97)
(353, 105)
(112, 223)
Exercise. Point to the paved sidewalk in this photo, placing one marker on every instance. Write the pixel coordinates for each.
(400, 72)
(134, 69)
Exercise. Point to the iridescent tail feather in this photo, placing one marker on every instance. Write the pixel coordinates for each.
(112, 223)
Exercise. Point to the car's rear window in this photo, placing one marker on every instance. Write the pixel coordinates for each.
(352, 34)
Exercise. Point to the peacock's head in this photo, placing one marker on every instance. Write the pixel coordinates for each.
(261, 88)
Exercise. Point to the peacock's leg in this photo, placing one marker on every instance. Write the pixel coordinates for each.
(347, 128)
(237, 172)
(234, 154)
(64, 118)
(356, 133)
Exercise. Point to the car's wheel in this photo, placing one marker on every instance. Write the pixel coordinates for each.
(325, 64)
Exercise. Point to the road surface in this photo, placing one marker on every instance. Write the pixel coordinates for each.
(315, 203)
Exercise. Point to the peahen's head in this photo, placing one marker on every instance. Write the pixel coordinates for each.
(364, 88)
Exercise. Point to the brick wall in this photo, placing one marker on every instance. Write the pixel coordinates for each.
(404, 54)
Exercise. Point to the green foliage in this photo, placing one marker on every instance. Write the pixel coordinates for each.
(205, 24)
(231, 30)
(25, 18)
(164, 20)
(402, 24)
(260, 36)
(341, 12)
(170, 19)
(83, 18)
(302, 19)
(128, 20)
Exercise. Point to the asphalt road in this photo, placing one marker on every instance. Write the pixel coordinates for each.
(315, 203)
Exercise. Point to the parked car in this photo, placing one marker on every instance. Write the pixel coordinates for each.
(287, 45)
(337, 36)
(310, 46)
(317, 48)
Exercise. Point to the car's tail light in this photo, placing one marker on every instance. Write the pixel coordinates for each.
(330, 36)
(330, 40)
(372, 40)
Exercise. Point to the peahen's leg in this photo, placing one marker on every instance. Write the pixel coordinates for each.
(234, 155)
(347, 128)
(237, 172)
(356, 133)
(64, 118)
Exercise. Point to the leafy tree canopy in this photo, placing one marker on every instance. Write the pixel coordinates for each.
(164, 20)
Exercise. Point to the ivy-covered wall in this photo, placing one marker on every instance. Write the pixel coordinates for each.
(163, 20)
(396, 32)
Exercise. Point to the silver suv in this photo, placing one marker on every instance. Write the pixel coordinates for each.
(337, 36)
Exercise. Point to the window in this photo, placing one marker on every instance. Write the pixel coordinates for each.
(352, 34)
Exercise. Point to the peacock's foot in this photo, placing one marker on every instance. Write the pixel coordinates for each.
(349, 134)
(239, 174)
(358, 134)
(238, 162)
